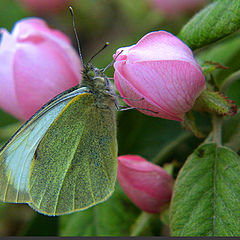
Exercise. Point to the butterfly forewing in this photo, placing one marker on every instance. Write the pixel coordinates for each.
(16, 156)
(75, 164)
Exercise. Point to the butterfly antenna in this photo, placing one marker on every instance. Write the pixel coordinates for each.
(105, 45)
(75, 33)
(111, 63)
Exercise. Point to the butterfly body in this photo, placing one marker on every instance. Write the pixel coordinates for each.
(64, 159)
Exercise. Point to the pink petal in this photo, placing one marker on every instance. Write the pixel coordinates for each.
(160, 45)
(161, 69)
(130, 92)
(122, 53)
(142, 199)
(145, 183)
(50, 75)
(171, 86)
(8, 98)
(31, 27)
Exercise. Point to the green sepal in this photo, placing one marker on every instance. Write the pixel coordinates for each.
(215, 102)
(209, 66)
(226, 53)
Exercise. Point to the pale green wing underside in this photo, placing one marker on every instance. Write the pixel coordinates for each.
(16, 156)
(75, 165)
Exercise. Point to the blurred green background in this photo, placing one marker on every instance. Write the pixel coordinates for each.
(122, 23)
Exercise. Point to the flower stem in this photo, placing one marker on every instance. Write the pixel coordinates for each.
(140, 224)
(217, 129)
(170, 147)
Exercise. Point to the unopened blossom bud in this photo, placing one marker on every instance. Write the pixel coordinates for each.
(161, 70)
(146, 184)
(36, 64)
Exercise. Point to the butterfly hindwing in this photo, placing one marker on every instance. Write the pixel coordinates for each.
(16, 156)
(74, 166)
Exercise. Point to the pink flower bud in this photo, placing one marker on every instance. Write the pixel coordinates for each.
(173, 8)
(161, 69)
(36, 64)
(43, 6)
(146, 184)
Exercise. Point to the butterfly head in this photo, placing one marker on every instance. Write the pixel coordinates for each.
(95, 79)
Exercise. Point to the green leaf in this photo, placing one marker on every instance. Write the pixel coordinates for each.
(111, 218)
(217, 20)
(206, 199)
(225, 53)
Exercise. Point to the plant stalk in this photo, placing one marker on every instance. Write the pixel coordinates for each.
(140, 224)
(217, 129)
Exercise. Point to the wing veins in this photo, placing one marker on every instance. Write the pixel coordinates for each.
(24, 164)
(18, 164)
(55, 207)
(21, 169)
(71, 158)
(48, 106)
(57, 195)
(32, 183)
(107, 175)
(7, 165)
(15, 154)
(10, 152)
(43, 194)
(74, 192)
(104, 170)
(90, 180)
(7, 186)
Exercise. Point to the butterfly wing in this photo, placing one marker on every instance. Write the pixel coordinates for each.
(16, 156)
(75, 164)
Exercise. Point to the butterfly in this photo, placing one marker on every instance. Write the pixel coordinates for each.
(64, 158)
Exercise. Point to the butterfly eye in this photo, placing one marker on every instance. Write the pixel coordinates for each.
(91, 73)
